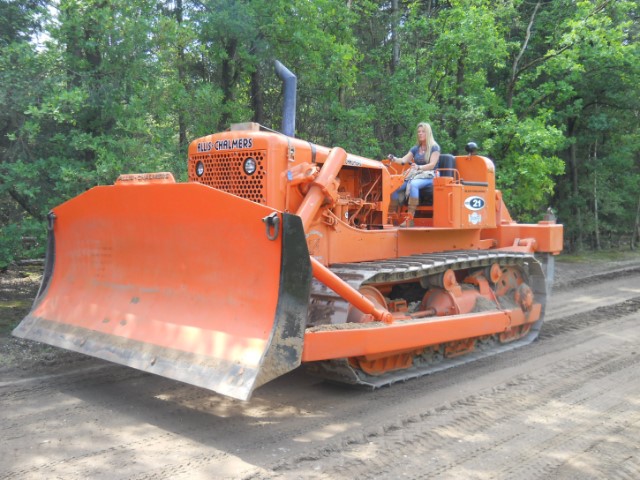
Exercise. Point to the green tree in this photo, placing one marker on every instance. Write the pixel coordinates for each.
(21, 80)
(599, 196)
(108, 87)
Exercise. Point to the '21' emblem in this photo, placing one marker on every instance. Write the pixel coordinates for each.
(474, 203)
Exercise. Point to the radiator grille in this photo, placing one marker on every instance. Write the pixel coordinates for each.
(223, 170)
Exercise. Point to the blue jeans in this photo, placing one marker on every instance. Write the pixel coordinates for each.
(414, 187)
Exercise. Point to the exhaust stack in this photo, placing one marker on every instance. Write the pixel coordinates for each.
(289, 82)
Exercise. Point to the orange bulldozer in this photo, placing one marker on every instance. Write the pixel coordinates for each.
(278, 252)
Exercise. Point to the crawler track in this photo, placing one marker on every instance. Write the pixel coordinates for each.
(328, 309)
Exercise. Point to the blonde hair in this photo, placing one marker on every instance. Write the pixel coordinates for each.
(429, 134)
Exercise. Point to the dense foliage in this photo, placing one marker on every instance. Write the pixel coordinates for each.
(549, 89)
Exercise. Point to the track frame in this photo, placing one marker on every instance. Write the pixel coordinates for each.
(425, 344)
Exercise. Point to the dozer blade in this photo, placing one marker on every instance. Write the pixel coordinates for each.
(180, 280)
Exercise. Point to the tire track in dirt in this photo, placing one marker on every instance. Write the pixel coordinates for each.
(599, 277)
(437, 431)
(175, 400)
(434, 438)
(43, 469)
(539, 453)
(594, 317)
(441, 431)
(77, 379)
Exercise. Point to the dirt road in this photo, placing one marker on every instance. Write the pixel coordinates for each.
(565, 407)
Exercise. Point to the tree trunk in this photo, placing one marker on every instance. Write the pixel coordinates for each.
(395, 56)
(182, 124)
(460, 71)
(515, 69)
(257, 98)
(636, 228)
(26, 205)
(395, 53)
(596, 219)
(573, 172)
(228, 78)
(595, 197)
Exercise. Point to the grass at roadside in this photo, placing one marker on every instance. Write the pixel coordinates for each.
(602, 256)
(18, 287)
(11, 312)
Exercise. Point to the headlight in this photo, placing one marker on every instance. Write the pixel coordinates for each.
(199, 169)
(249, 166)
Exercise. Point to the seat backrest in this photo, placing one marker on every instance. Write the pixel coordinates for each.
(446, 164)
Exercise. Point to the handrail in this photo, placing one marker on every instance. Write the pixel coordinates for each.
(474, 184)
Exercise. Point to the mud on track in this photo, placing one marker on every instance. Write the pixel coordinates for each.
(567, 406)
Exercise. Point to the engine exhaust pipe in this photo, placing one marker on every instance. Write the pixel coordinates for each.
(289, 83)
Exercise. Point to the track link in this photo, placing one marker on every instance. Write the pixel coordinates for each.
(328, 308)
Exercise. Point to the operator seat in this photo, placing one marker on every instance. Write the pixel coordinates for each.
(446, 164)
